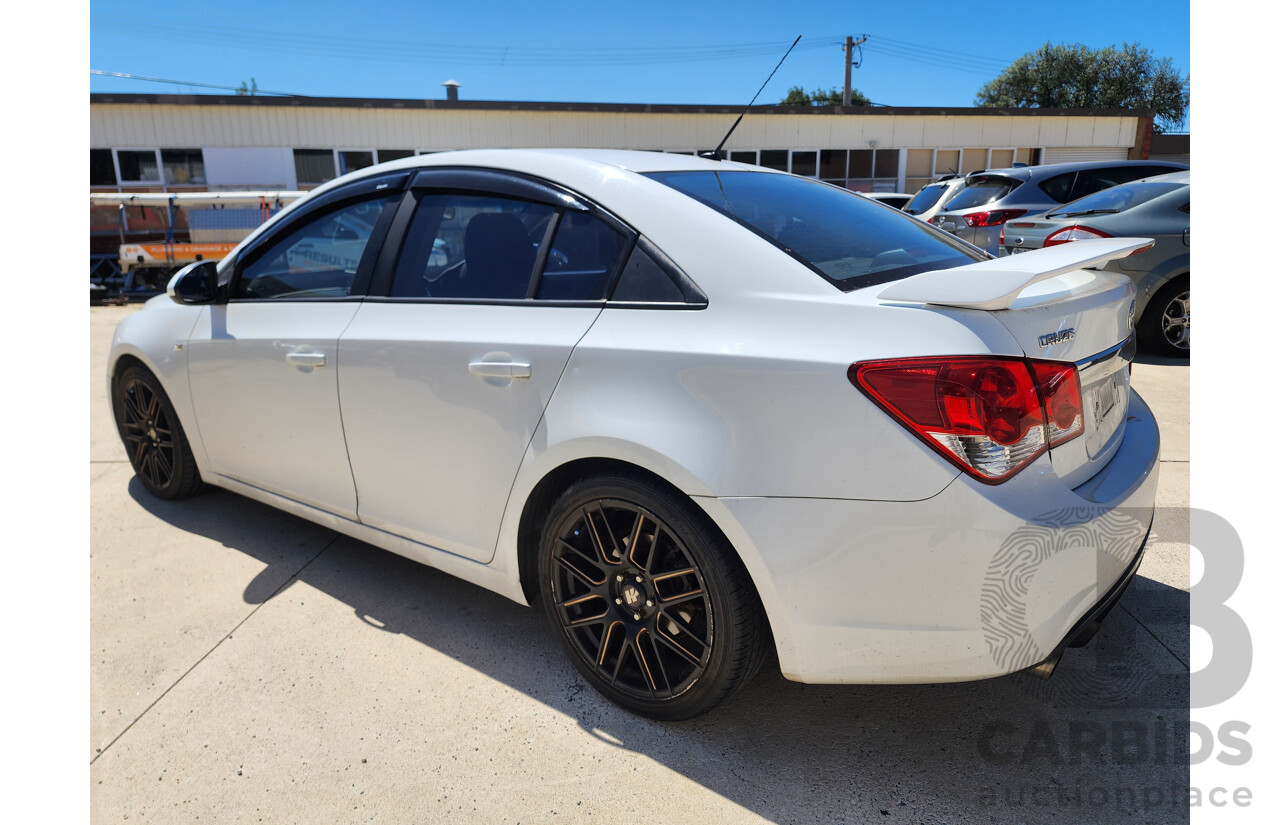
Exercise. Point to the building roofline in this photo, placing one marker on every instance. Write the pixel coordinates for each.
(299, 101)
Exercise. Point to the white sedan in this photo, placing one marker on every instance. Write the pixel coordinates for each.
(697, 409)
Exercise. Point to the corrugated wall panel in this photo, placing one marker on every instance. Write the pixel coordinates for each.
(1082, 153)
(120, 125)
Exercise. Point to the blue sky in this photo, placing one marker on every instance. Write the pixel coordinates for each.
(919, 54)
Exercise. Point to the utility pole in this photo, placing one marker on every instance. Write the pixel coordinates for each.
(848, 65)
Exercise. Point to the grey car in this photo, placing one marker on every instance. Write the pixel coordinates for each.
(1158, 208)
(990, 198)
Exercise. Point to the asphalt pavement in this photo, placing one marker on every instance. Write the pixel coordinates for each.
(249, 666)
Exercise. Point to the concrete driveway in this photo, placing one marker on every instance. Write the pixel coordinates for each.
(248, 666)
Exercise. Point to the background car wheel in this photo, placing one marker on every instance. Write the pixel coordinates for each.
(1165, 327)
(651, 603)
(158, 448)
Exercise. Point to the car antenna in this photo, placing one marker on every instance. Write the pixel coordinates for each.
(715, 153)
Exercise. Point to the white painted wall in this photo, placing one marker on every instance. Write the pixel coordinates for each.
(249, 167)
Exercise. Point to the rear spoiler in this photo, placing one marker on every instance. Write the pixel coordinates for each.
(996, 283)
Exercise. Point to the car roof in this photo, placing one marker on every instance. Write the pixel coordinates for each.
(1033, 172)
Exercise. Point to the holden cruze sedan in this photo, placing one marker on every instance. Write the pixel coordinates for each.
(698, 410)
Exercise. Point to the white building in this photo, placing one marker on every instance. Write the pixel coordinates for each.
(141, 142)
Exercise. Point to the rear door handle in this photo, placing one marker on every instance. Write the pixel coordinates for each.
(305, 359)
(500, 369)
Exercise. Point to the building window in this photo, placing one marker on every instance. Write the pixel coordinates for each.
(349, 160)
(774, 159)
(313, 165)
(183, 166)
(138, 165)
(102, 171)
(385, 155)
(804, 163)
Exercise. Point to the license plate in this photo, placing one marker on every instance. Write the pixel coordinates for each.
(1014, 250)
(1106, 403)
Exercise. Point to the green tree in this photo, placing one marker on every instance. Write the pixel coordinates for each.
(797, 96)
(1075, 76)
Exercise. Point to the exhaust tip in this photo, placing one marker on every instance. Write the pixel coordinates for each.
(1045, 669)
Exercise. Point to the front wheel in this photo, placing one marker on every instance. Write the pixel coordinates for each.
(648, 599)
(1165, 327)
(157, 446)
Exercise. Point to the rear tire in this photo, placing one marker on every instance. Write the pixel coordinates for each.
(158, 448)
(648, 600)
(1165, 327)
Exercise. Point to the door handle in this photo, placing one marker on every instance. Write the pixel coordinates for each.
(500, 369)
(305, 359)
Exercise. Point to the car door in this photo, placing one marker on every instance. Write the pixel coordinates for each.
(446, 371)
(262, 361)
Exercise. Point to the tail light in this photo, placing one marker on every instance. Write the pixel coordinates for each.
(995, 217)
(990, 416)
(1074, 233)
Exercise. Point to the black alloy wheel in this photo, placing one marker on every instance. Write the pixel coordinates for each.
(153, 438)
(648, 600)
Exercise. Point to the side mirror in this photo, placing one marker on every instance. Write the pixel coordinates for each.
(195, 283)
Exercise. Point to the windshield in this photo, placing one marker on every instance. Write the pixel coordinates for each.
(1118, 198)
(980, 192)
(846, 239)
(925, 198)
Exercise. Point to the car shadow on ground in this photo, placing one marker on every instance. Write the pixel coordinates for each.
(1160, 360)
(1098, 742)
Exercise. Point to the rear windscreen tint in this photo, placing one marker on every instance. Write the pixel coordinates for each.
(981, 191)
(850, 241)
(1117, 198)
(924, 199)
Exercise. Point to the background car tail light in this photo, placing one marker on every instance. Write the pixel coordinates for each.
(995, 217)
(991, 416)
(1074, 233)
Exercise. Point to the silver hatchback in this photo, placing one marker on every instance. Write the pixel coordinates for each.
(978, 212)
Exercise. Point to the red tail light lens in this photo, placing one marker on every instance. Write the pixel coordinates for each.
(1074, 233)
(1059, 386)
(991, 416)
(995, 217)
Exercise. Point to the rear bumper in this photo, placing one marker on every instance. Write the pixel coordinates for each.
(977, 581)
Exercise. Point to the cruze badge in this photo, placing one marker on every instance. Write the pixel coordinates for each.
(1051, 338)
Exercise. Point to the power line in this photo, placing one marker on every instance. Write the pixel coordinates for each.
(188, 83)
(454, 54)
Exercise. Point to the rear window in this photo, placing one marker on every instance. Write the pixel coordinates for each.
(925, 198)
(1116, 199)
(981, 191)
(844, 238)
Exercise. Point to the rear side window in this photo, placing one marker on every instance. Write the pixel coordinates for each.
(843, 237)
(583, 253)
(1089, 181)
(1058, 187)
(470, 246)
(644, 281)
(980, 191)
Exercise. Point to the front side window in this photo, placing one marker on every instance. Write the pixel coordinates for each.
(319, 259)
(850, 241)
(470, 246)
